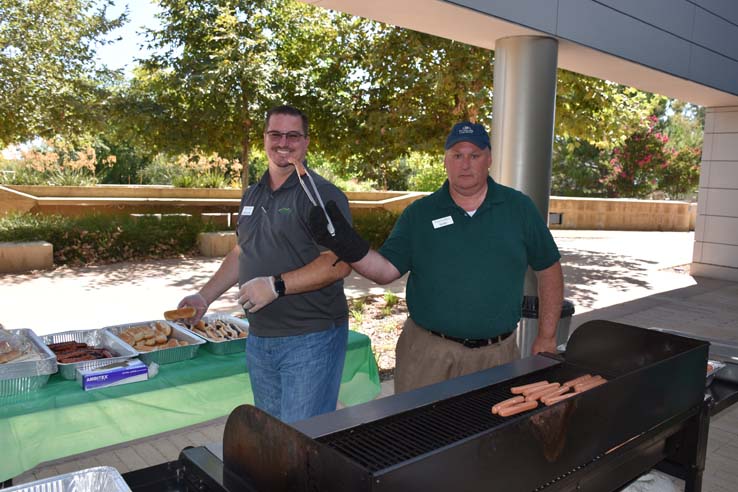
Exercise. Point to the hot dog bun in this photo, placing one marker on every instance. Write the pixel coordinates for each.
(181, 313)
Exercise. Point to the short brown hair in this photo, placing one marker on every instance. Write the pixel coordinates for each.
(288, 110)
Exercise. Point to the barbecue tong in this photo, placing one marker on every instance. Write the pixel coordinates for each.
(302, 171)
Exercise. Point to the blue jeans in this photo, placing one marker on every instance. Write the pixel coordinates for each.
(297, 377)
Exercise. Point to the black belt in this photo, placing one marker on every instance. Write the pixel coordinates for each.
(472, 342)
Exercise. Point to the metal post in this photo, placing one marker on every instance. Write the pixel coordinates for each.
(523, 119)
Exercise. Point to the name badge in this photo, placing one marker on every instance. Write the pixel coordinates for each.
(247, 211)
(442, 222)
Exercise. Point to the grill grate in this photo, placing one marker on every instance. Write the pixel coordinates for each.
(401, 437)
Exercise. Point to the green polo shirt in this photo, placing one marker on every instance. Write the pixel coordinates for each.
(467, 272)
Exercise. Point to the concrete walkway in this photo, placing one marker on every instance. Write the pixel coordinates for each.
(640, 278)
(601, 268)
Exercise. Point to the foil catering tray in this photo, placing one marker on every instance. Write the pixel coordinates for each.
(29, 374)
(223, 347)
(96, 338)
(165, 355)
(98, 479)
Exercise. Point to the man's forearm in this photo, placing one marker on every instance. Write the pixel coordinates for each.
(551, 297)
(322, 271)
(377, 268)
(224, 278)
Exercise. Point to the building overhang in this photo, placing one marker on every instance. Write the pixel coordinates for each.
(440, 18)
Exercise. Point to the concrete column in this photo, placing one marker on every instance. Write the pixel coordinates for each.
(716, 230)
(523, 119)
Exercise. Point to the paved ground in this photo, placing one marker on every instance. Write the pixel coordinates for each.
(601, 268)
(638, 278)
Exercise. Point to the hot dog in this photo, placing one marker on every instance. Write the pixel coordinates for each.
(517, 390)
(588, 385)
(62, 346)
(554, 394)
(542, 391)
(556, 399)
(574, 381)
(516, 409)
(507, 403)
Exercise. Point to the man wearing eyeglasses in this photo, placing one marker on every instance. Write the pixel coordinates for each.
(290, 288)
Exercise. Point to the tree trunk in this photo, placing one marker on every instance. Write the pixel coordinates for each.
(245, 151)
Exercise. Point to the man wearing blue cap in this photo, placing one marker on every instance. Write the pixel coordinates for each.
(467, 247)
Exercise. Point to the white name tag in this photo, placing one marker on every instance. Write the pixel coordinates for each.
(442, 222)
(247, 211)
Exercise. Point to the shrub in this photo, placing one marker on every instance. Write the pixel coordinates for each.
(56, 164)
(375, 226)
(105, 239)
(428, 171)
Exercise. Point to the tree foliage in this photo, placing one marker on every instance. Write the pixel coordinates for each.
(381, 98)
(221, 64)
(50, 84)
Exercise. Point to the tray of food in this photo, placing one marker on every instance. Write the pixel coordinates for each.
(86, 349)
(713, 366)
(95, 479)
(224, 334)
(25, 362)
(158, 341)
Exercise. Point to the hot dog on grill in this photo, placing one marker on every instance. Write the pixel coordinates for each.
(574, 381)
(550, 401)
(507, 403)
(517, 390)
(554, 394)
(588, 385)
(518, 408)
(542, 391)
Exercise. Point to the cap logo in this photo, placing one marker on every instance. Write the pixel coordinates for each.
(466, 129)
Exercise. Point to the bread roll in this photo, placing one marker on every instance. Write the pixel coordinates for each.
(10, 356)
(163, 328)
(181, 313)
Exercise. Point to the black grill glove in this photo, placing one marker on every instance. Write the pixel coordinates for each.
(346, 244)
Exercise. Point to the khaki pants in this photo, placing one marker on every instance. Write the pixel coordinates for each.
(422, 358)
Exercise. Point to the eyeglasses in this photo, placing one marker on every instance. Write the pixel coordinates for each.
(292, 137)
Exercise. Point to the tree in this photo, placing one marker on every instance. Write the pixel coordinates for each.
(599, 112)
(222, 64)
(684, 129)
(415, 86)
(50, 85)
(408, 89)
(636, 164)
(578, 169)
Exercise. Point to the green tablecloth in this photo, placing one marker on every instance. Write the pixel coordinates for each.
(62, 420)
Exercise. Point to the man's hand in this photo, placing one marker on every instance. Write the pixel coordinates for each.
(543, 344)
(198, 302)
(257, 293)
(346, 244)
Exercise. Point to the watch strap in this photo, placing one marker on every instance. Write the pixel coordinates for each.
(279, 286)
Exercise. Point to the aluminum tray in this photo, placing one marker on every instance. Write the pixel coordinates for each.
(224, 347)
(96, 338)
(169, 355)
(98, 479)
(27, 375)
(716, 367)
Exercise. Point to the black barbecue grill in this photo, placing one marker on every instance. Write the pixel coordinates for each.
(443, 437)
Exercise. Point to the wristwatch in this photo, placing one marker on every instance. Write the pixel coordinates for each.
(279, 285)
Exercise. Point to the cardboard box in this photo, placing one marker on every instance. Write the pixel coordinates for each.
(129, 371)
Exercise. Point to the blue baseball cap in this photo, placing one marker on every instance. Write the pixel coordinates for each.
(468, 132)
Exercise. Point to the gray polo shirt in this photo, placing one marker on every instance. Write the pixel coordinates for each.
(274, 238)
